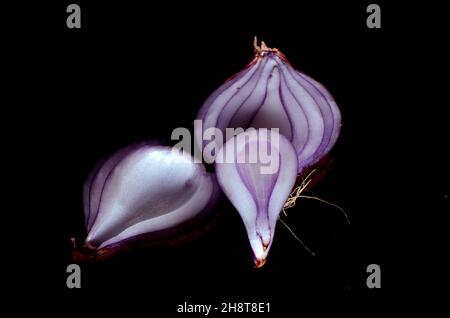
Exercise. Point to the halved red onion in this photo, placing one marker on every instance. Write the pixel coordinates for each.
(270, 93)
(257, 190)
(143, 189)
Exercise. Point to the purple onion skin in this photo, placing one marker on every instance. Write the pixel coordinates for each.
(258, 197)
(270, 93)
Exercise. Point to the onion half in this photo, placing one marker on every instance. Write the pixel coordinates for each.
(270, 93)
(143, 189)
(257, 194)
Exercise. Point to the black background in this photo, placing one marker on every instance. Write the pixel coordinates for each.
(134, 72)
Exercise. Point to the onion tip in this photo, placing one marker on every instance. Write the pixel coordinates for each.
(259, 262)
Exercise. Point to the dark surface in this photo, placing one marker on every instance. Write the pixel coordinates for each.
(136, 72)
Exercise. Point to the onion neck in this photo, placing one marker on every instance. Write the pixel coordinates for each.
(263, 50)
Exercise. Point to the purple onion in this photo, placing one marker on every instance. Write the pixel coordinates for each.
(270, 93)
(258, 194)
(143, 189)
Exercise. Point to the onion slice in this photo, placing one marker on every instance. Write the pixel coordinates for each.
(257, 190)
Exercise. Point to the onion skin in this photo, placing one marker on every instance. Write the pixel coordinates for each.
(258, 197)
(143, 191)
(270, 93)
